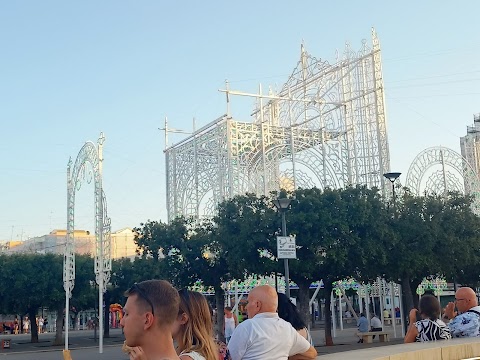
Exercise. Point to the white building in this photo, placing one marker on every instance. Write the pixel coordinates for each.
(470, 144)
(123, 244)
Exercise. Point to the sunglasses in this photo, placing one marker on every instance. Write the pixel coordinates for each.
(136, 289)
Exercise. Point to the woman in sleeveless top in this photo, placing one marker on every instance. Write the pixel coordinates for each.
(193, 329)
(289, 312)
(230, 323)
(425, 324)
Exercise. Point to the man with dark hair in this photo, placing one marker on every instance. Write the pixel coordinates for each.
(465, 323)
(150, 311)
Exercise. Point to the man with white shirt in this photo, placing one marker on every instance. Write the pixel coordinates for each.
(265, 335)
(375, 324)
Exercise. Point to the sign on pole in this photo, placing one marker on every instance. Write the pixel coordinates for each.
(286, 247)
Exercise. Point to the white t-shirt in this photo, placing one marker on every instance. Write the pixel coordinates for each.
(375, 322)
(193, 354)
(266, 337)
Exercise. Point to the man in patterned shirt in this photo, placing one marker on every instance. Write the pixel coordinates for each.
(465, 323)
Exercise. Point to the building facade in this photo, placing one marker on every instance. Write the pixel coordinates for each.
(123, 244)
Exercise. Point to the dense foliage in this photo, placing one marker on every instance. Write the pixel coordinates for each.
(351, 232)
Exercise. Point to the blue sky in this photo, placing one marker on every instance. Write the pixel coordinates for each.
(70, 70)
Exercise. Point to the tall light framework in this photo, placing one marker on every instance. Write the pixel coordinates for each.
(326, 127)
(439, 170)
(88, 167)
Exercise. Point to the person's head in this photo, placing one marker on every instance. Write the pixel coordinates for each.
(465, 299)
(193, 328)
(151, 306)
(289, 312)
(429, 307)
(261, 299)
(362, 315)
(228, 310)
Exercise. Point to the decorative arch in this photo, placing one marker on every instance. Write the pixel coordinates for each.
(438, 170)
(88, 167)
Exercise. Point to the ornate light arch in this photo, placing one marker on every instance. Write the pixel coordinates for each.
(438, 170)
(88, 166)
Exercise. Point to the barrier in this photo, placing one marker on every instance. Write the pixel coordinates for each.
(454, 349)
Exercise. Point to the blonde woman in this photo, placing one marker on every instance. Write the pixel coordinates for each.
(193, 329)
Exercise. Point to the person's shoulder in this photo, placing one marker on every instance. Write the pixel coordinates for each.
(194, 355)
(464, 319)
(244, 325)
(475, 309)
(440, 323)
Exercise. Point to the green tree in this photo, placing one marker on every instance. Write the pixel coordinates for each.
(432, 235)
(29, 282)
(84, 295)
(337, 235)
(339, 232)
(188, 252)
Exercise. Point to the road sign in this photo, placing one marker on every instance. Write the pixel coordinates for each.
(286, 247)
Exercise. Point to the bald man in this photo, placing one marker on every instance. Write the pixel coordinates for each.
(465, 322)
(265, 335)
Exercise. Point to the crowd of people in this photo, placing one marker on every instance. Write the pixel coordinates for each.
(460, 318)
(155, 313)
(162, 322)
(14, 326)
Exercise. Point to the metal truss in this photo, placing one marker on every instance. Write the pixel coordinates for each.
(88, 167)
(438, 170)
(325, 128)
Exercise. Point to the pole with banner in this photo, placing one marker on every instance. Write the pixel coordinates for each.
(286, 249)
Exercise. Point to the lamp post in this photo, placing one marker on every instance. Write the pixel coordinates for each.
(392, 176)
(282, 205)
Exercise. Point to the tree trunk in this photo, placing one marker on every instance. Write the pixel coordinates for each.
(33, 325)
(303, 299)
(408, 296)
(220, 303)
(413, 288)
(328, 314)
(59, 325)
(407, 300)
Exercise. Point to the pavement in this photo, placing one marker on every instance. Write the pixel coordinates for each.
(83, 346)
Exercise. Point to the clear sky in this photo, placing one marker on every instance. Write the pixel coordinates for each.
(70, 70)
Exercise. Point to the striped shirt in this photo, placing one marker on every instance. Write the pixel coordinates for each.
(431, 330)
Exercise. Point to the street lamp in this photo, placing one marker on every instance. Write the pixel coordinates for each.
(392, 176)
(282, 205)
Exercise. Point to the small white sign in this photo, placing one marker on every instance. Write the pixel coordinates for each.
(286, 247)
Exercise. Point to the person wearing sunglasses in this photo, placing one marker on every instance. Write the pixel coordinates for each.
(466, 321)
(265, 335)
(149, 315)
(193, 328)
